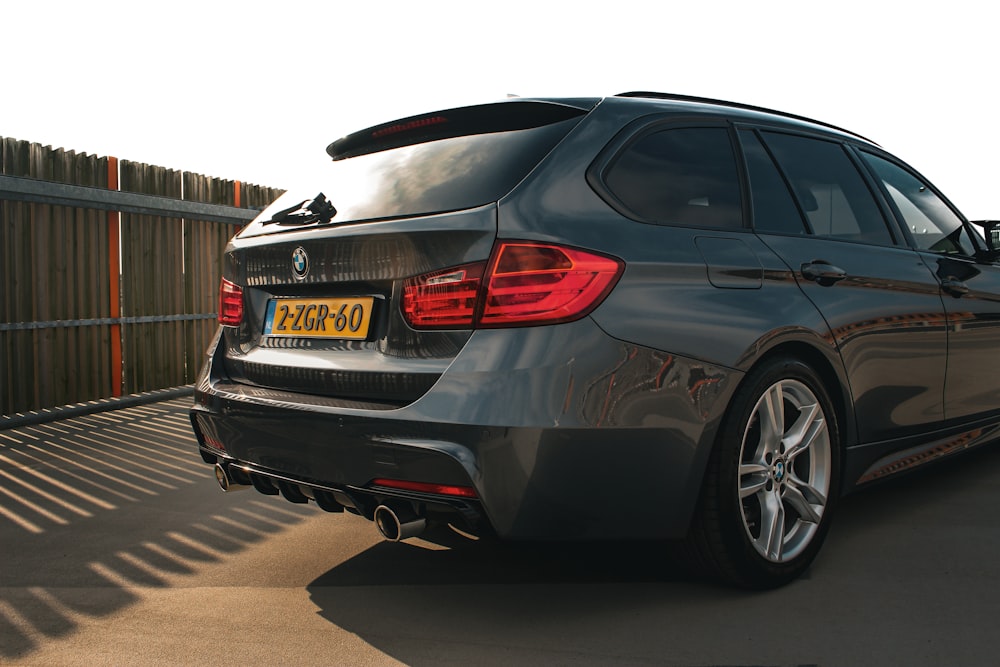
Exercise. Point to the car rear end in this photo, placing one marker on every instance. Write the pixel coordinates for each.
(411, 346)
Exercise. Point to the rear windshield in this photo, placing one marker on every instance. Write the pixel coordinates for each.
(435, 175)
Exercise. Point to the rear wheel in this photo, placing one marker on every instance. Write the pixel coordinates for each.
(771, 482)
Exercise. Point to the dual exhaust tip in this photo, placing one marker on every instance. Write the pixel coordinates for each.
(229, 481)
(393, 523)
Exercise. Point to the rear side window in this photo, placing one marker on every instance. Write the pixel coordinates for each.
(678, 176)
(830, 190)
(773, 208)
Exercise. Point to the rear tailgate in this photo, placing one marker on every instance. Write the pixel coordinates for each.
(322, 274)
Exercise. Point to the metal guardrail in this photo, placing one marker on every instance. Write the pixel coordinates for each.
(60, 194)
(101, 321)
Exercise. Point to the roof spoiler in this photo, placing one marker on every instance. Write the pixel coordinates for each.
(504, 116)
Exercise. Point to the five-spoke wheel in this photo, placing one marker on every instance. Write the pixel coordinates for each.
(785, 468)
(772, 478)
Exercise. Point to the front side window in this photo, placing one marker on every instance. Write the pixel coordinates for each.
(830, 190)
(932, 223)
(679, 176)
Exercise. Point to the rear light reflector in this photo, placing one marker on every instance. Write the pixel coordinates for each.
(525, 284)
(230, 304)
(424, 487)
(214, 443)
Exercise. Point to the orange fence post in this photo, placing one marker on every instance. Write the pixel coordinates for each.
(114, 262)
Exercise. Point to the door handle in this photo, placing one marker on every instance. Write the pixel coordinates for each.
(822, 272)
(954, 287)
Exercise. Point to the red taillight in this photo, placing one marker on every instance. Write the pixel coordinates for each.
(230, 304)
(444, 299)
(526, 284)
(424, 487)
(531, 283)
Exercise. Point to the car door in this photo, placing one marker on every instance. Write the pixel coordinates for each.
(953, 251)
(814, 207)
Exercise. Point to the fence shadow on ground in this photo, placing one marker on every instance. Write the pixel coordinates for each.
(99, 513)
(95, 508)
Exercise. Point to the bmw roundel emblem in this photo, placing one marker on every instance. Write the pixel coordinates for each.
(300, 263)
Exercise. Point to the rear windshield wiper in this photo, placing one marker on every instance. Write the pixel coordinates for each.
(306, 212)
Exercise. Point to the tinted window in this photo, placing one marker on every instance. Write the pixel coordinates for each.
(830, 190)
(436, 176)
(774, 209)
(932, 223)
(680, 176)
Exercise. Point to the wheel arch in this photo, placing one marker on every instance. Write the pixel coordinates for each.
(825, 360)
(830, 372)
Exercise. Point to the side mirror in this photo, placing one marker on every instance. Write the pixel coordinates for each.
(991, 232)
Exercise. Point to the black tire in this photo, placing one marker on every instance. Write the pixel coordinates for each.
(770, 488)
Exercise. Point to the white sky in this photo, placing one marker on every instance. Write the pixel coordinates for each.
(255, 91)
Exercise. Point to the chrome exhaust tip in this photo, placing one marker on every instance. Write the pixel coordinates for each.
(396, 525)
(226, 481)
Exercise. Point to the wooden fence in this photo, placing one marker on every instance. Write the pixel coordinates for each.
(98, 303)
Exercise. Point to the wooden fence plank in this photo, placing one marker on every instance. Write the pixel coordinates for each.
(153, 261)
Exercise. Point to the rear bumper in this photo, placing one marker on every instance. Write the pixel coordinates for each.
(562, 431)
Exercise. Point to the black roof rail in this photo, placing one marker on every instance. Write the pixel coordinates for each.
(736, 105)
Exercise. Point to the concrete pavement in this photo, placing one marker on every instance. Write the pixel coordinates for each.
(117, 548)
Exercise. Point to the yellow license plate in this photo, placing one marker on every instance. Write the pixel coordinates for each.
(319, 318)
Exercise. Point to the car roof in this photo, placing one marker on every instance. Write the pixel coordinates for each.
(746, 110)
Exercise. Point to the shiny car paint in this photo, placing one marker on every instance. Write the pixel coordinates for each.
(600, 427)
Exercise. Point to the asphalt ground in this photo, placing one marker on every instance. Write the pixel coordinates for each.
(118, 548)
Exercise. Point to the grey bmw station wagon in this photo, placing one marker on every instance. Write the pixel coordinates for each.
(644, 316)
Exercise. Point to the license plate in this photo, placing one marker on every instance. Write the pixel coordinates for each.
(319, 318)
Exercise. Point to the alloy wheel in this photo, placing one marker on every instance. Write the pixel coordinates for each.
(784, 471)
